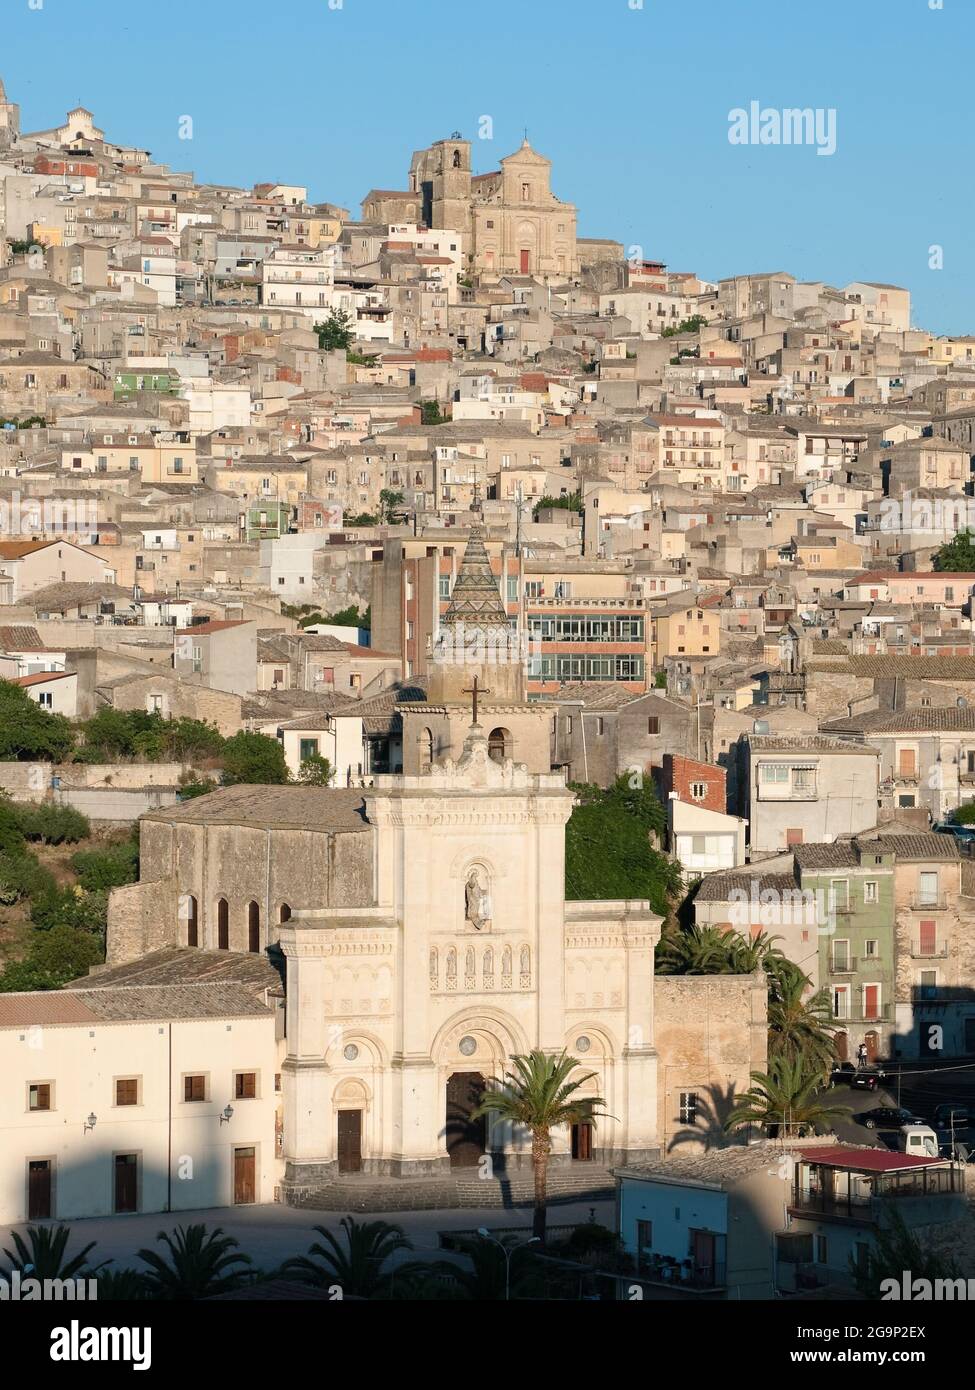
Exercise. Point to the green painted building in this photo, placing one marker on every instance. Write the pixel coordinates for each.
(266, 521)
(129, 384)
(854, 882)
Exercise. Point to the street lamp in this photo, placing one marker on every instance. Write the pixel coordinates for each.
(507, 1251)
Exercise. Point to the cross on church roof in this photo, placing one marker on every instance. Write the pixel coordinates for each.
(475, 690)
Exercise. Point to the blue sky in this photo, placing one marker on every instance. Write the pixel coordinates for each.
(631, 104)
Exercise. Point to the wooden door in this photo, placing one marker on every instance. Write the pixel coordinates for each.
(871, 1001)
(245, 1177)
(871, 1042)
(39, 1189)
(704, 1256)
(525, 262)
(466, 1136)
(350, 1141)
(582, 1142)
(126, 1182)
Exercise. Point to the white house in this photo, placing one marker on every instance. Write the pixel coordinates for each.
(136, 1098)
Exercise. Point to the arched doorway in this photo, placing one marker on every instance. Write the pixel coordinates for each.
(192, 920)
(223, 925)
(425, 740)
(466, 1134)
(285, 914)
(872, 1042)
(253, 927)
(842, 1044)
(499, 745)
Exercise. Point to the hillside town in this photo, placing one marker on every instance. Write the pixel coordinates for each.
(397, 595)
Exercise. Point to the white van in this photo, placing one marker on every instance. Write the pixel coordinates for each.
(918, 1139)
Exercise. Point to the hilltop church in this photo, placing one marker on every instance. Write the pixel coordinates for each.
(511, 221)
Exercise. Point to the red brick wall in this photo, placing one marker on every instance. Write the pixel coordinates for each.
(679, 774)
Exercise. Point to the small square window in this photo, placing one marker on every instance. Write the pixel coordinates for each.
(245, 1085)
(127, 1090)
(194, 1088)
(39, 1095)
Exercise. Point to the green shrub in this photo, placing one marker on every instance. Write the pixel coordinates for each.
(110, 867)
(53, 959)
(28, 732)
(54, 825)
(23, 877)
(70, 907)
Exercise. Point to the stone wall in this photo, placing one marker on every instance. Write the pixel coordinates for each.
(710, 1033)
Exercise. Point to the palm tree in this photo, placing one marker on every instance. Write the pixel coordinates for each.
(199, 1264)
(355, 1265)
(44, 1257)
(121, 1285)
(786, 1096)
(799, 1029)
(710, 950)
(539, 1095)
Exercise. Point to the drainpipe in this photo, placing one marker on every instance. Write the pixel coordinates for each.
(169, 1129)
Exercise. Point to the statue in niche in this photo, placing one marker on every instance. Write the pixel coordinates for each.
(477, 901)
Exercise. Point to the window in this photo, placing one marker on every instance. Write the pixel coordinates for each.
(699, 790)
(39, 1096)
(245, 1085)
(653, 724)
(445, 586)
(776, 773)
(870, 891)
(194, 1088)
(822, 1250)
(871, 949)
(927, 884)
(688, 1107)
(307, 748)
(127, 1090)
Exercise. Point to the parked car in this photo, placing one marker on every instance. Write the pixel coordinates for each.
(887, 1117)
(965, 834)
(945, 1115)
(859, 1078)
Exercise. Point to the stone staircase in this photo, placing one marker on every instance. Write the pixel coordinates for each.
(464, 1188)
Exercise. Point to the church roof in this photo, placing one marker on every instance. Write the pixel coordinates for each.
(475, 599)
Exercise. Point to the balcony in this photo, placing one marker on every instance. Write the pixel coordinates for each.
(923, 952)
(860, 1203)
(846, 966)
(923, 902)
(861, 1015)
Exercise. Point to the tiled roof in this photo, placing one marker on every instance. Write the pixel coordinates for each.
(806, 743)
(949, 719)
(325, 809)
(917, 847)
(839, 855)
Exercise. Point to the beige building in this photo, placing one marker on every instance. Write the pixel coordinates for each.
(158, 1097)
(511, 220)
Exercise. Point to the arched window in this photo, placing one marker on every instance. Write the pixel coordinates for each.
(499, 745)
(223, 925)
(253, 927)
(456, 159)
(285, 914)
(189, 911)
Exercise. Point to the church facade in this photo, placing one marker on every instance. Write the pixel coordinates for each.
(511, 221)
(400, 1013)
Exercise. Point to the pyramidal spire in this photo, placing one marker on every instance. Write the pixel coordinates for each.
(475, 600)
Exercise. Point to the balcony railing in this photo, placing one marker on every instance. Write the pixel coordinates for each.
(863, 1015)
(844, 966)
(922, 902)
(919, 951)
